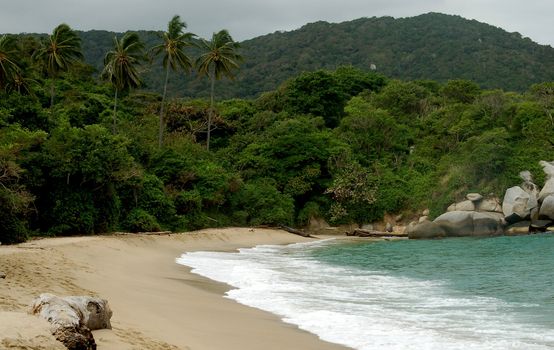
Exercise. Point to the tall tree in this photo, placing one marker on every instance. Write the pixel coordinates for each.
(58, 52)
(121, 66)
(175, 40)
(219, 58)
(8, 66)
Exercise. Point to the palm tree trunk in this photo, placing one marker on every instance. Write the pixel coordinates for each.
(52, 86)
(161, 131)
(114, 111)
(211, 111)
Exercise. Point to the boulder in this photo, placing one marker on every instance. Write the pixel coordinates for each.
(520, 228)
(389, 227)
(425, 229)
(462, 206)
(426, 212)
(540, 225)
(2, 275)
(474, 197)
(547, 208)
(548, 188)
(73, 318)
(516, 201)
(423, 218)
(491, 204)
(471, 223)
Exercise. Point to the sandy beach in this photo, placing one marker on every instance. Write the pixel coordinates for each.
(156, 303)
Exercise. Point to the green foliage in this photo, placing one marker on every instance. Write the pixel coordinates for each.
(140, 220)
(260, 202)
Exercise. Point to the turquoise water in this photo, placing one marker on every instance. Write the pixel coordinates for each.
(463, 293)
(517, 270)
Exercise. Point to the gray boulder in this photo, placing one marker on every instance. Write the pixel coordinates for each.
(425, 229)
(471, 223)
(474, 197)
(548, 188)
(519, 228)
(462, 206)
(516, 201)
(491, 204)
(547, 208)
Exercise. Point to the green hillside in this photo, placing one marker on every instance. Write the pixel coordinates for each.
(430, 46)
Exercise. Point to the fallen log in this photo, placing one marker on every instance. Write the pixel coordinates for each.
(360, 232)
(72, 318)
(295, 231)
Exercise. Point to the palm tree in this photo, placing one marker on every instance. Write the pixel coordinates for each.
(174, 57)
(219, 58)
(58, 52)
(121, 66)
(8, 65)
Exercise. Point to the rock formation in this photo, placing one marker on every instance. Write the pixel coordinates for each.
(524, 209)
(73, 318)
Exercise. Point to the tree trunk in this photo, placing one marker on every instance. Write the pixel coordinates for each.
(52, 87)
(115, 112)
(161, 131)
(211, 111)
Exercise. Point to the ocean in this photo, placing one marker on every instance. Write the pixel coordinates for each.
(459, 293)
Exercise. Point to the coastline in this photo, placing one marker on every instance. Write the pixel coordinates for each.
(157, 303)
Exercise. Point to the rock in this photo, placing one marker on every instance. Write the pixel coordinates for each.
(512, 219)
(548, 187)
(520, 228)
(491, 204)
(426, 212)
(73, 318)
(367, 227)
(471, 223)
(474, 197)
(423, 218)
(540, 225)
(425, 229)
(547, 208)
(2, 275)
(462, 206)
(389, 227)
(550, 229)
(516, 201)
(398, 217)
(535, 214)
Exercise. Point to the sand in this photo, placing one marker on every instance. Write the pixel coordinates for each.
(156, 303)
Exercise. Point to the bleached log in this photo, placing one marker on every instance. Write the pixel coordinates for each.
(72, 318)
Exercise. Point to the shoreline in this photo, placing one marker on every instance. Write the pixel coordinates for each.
(156, 303)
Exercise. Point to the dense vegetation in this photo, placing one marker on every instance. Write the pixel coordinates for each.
(346, 144)
(432, 46)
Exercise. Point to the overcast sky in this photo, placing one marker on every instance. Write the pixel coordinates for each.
(246, 19)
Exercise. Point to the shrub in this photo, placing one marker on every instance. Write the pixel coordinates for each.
(139, 220)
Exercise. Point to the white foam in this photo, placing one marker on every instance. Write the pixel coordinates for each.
(365, 309)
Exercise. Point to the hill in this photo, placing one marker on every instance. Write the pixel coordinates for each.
(431, 46)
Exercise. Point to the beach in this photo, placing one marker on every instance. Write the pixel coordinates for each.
(156, 303)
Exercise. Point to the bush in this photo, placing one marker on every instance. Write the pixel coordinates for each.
(139, 220)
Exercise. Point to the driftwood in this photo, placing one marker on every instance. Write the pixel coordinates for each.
(295, 231)
(360, 232)
(73, 318)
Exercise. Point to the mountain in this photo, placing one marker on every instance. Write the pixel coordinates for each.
(431, 46)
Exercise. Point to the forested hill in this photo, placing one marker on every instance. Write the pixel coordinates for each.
(430, 46)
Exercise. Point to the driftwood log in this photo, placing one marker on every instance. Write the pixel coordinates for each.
(73, 318)
(295, 231)
(359, 232)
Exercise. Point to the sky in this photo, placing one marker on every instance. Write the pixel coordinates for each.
(246, 19)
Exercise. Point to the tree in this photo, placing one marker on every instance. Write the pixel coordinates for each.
(174, 57)
(58, 53)
(8, 66)
(219, 58)
(121, 66)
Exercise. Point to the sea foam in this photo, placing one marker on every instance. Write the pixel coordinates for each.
(365, 309)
